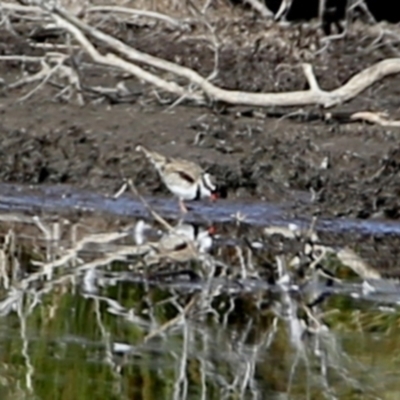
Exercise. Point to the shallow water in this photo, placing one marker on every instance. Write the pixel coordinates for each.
(81, 346)
(80, 331)
(60, 197)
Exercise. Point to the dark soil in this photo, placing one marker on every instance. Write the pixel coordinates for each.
(46, 140)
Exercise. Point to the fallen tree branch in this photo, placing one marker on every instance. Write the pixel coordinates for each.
(283, 10)
(260, 8)
(21, 58)
(132, 11)
(46, 73)
(313, 96)
(113, 60)
(375, 118)
(21, 8)
(52, 64)
(341, 117)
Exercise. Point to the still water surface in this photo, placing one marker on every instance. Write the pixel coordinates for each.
(74, 345)
(80, 331)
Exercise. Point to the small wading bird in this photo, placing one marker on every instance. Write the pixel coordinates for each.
(182, 243)
(201, 237)
(185, 179)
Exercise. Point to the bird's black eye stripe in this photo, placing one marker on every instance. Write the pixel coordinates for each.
(206, 184)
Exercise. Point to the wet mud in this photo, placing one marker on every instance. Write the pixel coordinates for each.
(309, 168)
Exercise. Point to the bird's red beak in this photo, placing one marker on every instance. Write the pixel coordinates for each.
(214, 196)
(211, 230)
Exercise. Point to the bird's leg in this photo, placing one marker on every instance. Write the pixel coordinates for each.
(182, 207)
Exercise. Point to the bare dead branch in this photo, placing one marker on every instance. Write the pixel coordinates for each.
(21, 8)
(261, 8)
(155, 215)
(113, 60)
(174, 321)
(348, 91)
(351, 259)
(207, 4)
(341, 117)
(21, 58)
(283, 9)
(314, 95)
(48, 268)
(375, 118)
(312, 81)
(44, 74)
(132, 11)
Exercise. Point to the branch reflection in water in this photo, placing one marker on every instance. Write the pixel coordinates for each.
(92, 310)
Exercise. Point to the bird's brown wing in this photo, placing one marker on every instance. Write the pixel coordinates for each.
(185, 171)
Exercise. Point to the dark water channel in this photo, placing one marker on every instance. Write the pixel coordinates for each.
(93, 329)
(63, 198)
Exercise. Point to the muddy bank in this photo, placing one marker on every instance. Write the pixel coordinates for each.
(326, 169)
(258, 160)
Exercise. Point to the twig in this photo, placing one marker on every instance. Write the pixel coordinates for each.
(315, 95)
(260, 8)
(283, 9)
(207, 4)
(70, 254)
(349, 258)
(47, 76)
(30, 79)
(23, 59)
(348, 91)
(312, 81)
(30, 370)
(139, 13)
(44, 74)
(342, 117)
(174, 321)
(113, 60)
(215, 45)
(155, 215)
(21, 8)
(375, 118)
